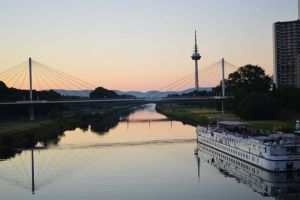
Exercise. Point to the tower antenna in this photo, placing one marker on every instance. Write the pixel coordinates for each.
(196, 47)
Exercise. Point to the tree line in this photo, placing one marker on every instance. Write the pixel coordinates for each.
(254, 95)
(21, 111)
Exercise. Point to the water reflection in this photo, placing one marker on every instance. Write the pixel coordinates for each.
(35, 165)
(102, 126)
(268, 184)
(35, 168)
(133, 160)
(99, 127)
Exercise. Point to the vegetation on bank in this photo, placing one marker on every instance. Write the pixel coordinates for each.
(13, 94)
(23, 134)
(255, 99)
(52, 120)
(199, 115)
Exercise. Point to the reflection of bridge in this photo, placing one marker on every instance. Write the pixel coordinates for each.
(42, 77)
(149, 121)
(35, 168)
(145, 120)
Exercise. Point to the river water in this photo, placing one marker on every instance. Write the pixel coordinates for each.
(143, 156)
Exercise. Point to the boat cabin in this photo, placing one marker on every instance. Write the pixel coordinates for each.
(234, 127)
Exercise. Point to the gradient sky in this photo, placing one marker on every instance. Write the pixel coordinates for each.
(138, 44)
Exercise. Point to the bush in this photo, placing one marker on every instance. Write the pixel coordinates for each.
(258, 107)
(55, 114)
(288, 98)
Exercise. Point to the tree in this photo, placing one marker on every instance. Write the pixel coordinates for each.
(2, 86)
(101, 92)
(249, 78)
(250, 88)
(50, 94)
(17, 111)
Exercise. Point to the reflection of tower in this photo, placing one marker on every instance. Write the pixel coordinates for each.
(32, 167)
(198, 164)
(198, 159)
(196, 56)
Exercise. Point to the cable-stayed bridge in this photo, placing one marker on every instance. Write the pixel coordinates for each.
(40, 77)
(35, 76)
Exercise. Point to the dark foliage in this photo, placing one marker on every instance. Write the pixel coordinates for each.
(288, 98)
(19, 111)
(252, 99)
(258, 106)
(249, 78)
(100, 93)
(195, 93)
(13, 94)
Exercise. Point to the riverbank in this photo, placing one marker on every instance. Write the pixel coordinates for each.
(20, 133)
(195, 115)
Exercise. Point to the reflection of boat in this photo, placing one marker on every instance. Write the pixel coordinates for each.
(269, 184)
(297, 128)
(273, 152)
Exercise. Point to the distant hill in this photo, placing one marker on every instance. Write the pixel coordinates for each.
(154, 94)
(158, 94)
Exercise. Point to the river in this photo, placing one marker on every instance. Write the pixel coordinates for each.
(143, 156)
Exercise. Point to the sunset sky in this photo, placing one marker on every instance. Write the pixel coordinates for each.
(138, 44)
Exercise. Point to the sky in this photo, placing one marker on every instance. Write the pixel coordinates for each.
(138, 44)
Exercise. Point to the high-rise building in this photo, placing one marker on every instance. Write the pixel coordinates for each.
(287, 53)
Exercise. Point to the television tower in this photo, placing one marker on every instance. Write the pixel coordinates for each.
(196, 56)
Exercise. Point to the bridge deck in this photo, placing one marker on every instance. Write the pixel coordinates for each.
(136, 100)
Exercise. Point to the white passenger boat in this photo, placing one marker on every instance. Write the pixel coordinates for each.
(277, 152)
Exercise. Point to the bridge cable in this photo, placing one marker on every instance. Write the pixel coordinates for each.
(15, 75)
(56, 83)
(71, 77)
(63, 81)
(61, 77)
(18, 77)
(42, 76)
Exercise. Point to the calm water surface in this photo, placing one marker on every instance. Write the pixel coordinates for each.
(144, 156)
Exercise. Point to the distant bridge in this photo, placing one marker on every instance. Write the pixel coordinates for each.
(48, 77)
(129, 100)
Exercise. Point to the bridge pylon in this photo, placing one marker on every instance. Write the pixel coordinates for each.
(223, 76)
(223, 84)
(31, 107)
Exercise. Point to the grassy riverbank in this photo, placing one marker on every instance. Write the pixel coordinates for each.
(196, 115)
(19, 132)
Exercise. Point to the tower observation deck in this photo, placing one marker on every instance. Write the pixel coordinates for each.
(196, 56)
